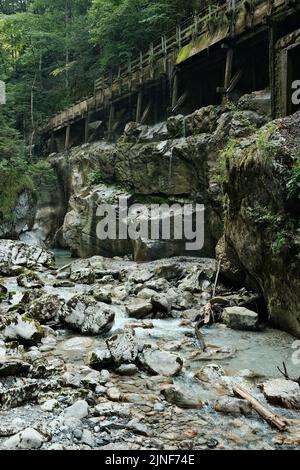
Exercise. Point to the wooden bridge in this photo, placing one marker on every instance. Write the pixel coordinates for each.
(225, 30)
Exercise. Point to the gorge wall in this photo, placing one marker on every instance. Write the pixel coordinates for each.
(231, 158)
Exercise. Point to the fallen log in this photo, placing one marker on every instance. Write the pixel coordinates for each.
(266, 414)
(64, 268)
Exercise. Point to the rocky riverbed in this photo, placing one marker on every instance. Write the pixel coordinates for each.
(112, 354)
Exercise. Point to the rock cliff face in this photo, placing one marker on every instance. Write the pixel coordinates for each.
(166, 163)
(262, 207)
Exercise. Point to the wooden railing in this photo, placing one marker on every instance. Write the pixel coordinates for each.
(157, 59)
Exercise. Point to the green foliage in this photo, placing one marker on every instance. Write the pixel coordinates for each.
(263, 216)
(266, 148)
(95, 178)
(225, 159)
(280, 243)
(293, 184)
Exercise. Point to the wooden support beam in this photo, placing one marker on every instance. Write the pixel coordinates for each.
(86, 128)
(180, 101)
(228, 68)
(146, 112)
(52, 143)
(272, 66)
(139, 106)
(175, 89)
(111, 120)
(235, 81)
(67, 139)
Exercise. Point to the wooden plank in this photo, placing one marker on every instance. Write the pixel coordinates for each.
(228, 67)
(67, 139)
(139, 106)
(272, 66)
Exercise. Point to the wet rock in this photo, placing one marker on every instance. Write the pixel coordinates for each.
(103, 294)
(23, 329)
(139, 428)
(146, 294)
(258, 101)
(140, 276)
(3, 293)
(29, 439)
(229, 405)
(122, 410)
(30, 280)
(14, 367)
(169, 271)
(281, 392)
(47, 308)
(139, 308)
(85, 276)
(240, 318)
(79, 410)
(100, 359)
(15, 253)
(123, 348)
(88, 316)
(49, 405)
(31, 295)
(210, 373)
(113, 394)
(63, 284)
(162, 303)
(127, 370)
(159, 362)
(182, 399)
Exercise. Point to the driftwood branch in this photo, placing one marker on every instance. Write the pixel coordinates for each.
(286, 375)
(266, 414)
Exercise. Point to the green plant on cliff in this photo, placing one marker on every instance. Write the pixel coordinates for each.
(265, 147)
(280, 243)
(225, 159)
(95, 178)
(293, 184)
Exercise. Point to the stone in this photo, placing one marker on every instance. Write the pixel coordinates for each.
(29, 439)
(85, 276)
(79, 410)
(146, 294)
(229, 405)
(240, 318)
(182, 398)
(123, 348)
(281, 392)
(210, 373)
(100, 359)
(122, 410)
(258, 101)
(30, 280)
(103, 294)
(16, 253)
(159, 362)
(47, 308)
(49, 405)
(113, 394)
(127, 370)
(22, 329)
(14, 367)
(139, 308)
(169, 271)
(87, 438)
(139, 428)
(88, 316)
(162, 303)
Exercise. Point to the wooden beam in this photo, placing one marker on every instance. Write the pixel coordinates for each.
(228, 68)
(146, 112)
(86, 128)
(235, 81)
(139, 106)
(272, 67)
(67, 139)
(111, 120)
(175, 90)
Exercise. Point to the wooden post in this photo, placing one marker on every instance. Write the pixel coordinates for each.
(175, 90)
(86, 128)
(111, 120)
(151, 61)
(228, 68)
(272, 66)
(141, 68)
(139, 106)
(52, 142)
(67, 140)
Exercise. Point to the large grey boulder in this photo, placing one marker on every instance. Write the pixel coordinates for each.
(88, 316)
(281, 392)
(159, 362)
(47, 308)
(29, 439)
(16, 253)
(123, 348)
(240, 318)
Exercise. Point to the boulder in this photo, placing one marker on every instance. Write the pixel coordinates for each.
(159, 362)
(16, 253)
(182, 398)
(281, 392)
(234, 406)
(14, 367)
(139, 308)
(23, 329)
(88, 316)
(29, 439)
(103, 294)
(258, 101)
(47, 308)
(240, 318)
(79, 410)
(162, 303)
(123, 348)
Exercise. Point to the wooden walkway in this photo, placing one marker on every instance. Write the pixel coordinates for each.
(212, 25)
